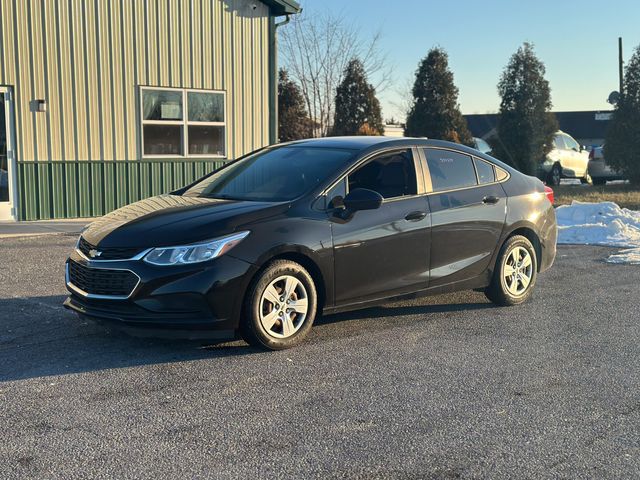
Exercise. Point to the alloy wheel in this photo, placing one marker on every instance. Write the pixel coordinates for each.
(517, 271)
(283, 307)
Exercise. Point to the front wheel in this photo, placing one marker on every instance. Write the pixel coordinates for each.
(280, 306)
(515, 274)
(598, 181)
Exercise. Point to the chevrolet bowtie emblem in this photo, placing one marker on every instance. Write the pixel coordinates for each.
(93, 253)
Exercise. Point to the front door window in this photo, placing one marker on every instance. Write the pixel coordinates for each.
(392, 175)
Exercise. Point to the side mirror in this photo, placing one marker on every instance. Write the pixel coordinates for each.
(362, 199)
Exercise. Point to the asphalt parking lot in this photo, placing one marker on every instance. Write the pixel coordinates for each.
(445, 387)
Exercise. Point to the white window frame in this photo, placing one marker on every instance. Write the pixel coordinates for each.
(184, 123)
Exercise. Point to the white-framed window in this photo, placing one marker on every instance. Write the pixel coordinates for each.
(183, 122)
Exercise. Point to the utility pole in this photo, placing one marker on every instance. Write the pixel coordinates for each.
(620, 63)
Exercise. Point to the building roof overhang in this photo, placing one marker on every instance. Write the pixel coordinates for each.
(283, 7)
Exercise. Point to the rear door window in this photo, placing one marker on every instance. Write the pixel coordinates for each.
(485, 171)
(450, 170)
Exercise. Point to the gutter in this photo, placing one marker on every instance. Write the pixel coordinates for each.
(273, 77)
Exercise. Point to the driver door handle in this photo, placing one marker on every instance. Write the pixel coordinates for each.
(415, 216)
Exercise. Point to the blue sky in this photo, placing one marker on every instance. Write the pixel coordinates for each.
(577, 40)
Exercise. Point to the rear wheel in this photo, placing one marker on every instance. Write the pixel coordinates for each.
(515, 274)
(586, 179)
(280, 306)
(554, 175)
(598, 181)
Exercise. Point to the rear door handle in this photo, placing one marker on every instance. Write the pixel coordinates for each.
(491, 200)
(415, 216)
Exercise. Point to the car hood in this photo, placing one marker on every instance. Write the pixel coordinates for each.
(173, 220)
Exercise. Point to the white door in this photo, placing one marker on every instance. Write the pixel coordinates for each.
(8, 185)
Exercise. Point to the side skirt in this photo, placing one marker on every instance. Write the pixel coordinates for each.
(476, 283)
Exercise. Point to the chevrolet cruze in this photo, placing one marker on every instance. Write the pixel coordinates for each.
(260, 247)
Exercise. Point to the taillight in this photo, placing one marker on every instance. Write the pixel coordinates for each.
(548, 191)
(592, 154)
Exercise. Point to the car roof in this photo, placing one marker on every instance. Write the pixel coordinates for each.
(355, 142)
(367, 144)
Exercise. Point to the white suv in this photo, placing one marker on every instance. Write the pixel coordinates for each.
(599, 169)
(567, 160)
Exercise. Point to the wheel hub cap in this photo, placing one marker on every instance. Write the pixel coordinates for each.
(283, 307)
(517, 271)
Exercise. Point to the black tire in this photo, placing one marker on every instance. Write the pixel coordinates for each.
(251, 327)
(554, 175)
(498, 291)
(598, 181)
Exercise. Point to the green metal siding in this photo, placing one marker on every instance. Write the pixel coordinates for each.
(93, 188)
(88, 58)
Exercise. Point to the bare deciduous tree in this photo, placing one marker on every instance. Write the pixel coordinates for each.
(403, 100)
(316, 50)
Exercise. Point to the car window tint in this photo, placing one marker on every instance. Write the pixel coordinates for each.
(558, 141)
(449, 169)
(391, 175)
(485, 171)
(273, 175)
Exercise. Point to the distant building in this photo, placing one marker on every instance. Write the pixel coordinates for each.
(105, 103)
(393, 130)
(587, 127)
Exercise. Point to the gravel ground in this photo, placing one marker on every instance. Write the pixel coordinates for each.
(445, 387)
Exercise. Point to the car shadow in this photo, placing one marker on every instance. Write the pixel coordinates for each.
(39, 338)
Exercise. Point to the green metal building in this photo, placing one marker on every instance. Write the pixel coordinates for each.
(105, 102)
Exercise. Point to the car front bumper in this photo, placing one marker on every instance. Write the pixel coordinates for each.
(191, 301)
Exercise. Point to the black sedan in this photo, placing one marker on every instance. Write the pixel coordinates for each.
(262, 246)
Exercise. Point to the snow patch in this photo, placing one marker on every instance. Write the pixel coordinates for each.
(631, 256)
(603, 224)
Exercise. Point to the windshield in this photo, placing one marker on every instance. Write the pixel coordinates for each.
(273, 175)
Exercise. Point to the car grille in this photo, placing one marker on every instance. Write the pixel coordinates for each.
(102, 281)
(109, 253)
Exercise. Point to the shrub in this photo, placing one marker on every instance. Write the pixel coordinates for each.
(357, 108)
(526, 126)
(622, 147)
(435, 112)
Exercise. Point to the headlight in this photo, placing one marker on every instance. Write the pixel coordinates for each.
(199, 252)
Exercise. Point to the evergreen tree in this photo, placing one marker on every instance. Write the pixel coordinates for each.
(293, 121)
(622, 147)
(357, 108)
(435, 112)
(526, 125)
